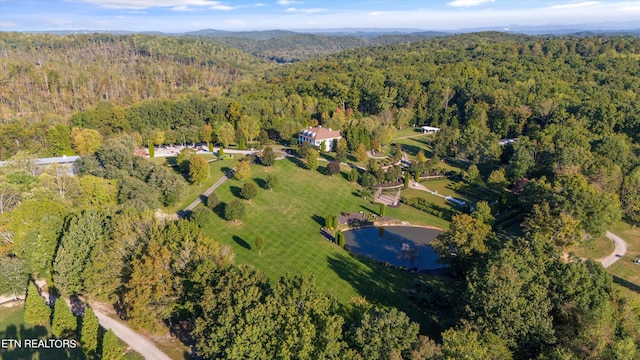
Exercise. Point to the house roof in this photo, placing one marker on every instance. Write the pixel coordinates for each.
(320, 133)
(430, 128)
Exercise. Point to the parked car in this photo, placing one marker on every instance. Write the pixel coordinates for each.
(637, 262)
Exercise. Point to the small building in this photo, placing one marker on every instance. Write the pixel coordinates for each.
(318, 135)
(503, 142)
(429, 130)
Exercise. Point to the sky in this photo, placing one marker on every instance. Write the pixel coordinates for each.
(242, 15)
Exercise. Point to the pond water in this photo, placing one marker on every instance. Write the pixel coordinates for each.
(406, 246)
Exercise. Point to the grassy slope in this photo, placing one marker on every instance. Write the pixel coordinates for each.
(289, 218)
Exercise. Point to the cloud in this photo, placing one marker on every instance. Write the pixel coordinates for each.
(575, 5)
(259, 4)
(305, 11)
(222, 7)
(180, 5)
(8, 24)
(468, 3)
(288, 2)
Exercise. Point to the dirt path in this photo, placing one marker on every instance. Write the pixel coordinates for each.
(618, 252)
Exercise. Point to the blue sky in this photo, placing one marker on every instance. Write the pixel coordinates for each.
(188, 15)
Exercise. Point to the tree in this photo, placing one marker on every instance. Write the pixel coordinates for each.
(259, 244)
(15, 276)
(212, 201)
(268, 157)
(83, 232)
(64, 322)
(183, 157)
(220, 152)
(333, 168)
(36, 310)
(377, 333)
(472, 174)
(630, 195)
(90, 332)
(198, 169)
(340, 238)
(225, 134)
(406, 180)
(361, 153)
(248, 191)
(86, 141)
(497, 179)
(206, 132)
(561, 228)
(483, 213)
(311, 159)
(234, 210)
(323, 147)
(463, 344)
(242, 171)
(353, 175)
(304, 148)
(111, 348)
(462, 244)
(341, 150)
(271, 181)
(10, 196)
(383, 210)
(151, 149)
(36, 225)
(96, 191)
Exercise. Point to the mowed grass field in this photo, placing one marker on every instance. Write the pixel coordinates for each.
(289, 219)
(12, 326)
(625, 272)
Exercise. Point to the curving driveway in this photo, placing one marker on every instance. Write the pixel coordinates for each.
(618, 252)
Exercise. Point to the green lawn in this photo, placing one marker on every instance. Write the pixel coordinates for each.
(624, 270)
(595, 248)
(289, 219)
(12, 326)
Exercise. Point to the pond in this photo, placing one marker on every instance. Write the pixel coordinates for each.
(406, 246)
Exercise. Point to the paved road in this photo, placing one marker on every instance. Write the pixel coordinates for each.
(206, 193)
(137, 342)
(618, 252)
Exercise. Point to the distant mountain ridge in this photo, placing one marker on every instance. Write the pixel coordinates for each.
(286, 46)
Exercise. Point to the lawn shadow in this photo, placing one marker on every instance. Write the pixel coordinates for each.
(296, 161)
(629, 285)
(261, 183)
(319, 219)
(368, 209)
(240, 241)
(26, 352)
(235, 190)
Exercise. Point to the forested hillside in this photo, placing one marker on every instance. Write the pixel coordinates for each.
(46, 76)
(286, 47)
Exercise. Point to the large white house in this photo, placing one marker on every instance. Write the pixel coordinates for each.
(318, 135)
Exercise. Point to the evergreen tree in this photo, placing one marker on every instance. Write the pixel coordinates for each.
(212, 201)
(36, 310)
(260, 244)
(311, 159)
(90, 332)
(151, 150)
(111, 349)
(383, 210)
(268, 156)
(234, 210)
(64, 322)
(353, 175)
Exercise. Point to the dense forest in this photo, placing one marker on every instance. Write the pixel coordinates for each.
(571, 102)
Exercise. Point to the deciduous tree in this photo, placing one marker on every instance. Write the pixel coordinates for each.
(311, 159)
(248, 191)
(268, 157)
(259, 244)
(242, 171)
(234, 210)
(198, 169)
